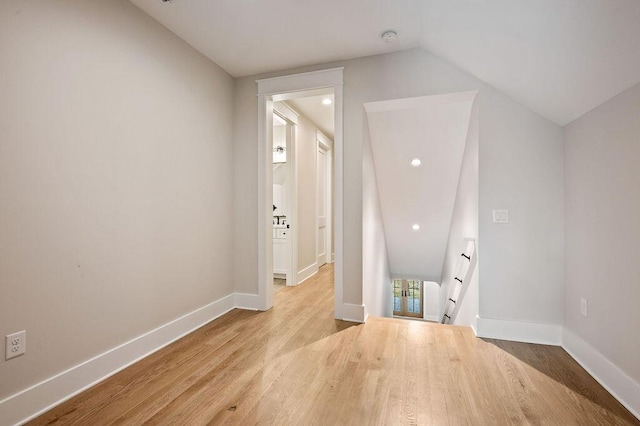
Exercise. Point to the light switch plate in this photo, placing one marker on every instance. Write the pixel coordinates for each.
(501, 216)
(584, 306)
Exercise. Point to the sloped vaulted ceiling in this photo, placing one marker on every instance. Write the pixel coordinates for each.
(434, 129)
(561, 58)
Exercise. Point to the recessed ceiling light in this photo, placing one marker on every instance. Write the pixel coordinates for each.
(415, 162)
(415, 227)
(327, 101)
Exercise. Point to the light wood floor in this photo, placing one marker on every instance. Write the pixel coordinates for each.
(278, 285)
(296, 365)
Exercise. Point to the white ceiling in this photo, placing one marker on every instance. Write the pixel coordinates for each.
(560, 58)
(433, 128)
(313, 108)
(252, 36)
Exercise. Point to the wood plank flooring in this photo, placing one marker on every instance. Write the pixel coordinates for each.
(296, 365)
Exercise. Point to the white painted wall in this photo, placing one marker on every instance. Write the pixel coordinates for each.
(376, 275)
(280, 174)
(464, 224)
(602, 212)
(520, 168)
(520, 164)
(432, 301)
(306, 183)
(115, 181)
(245, 181)
(279, 139)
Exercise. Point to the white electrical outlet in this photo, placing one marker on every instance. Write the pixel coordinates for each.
(15, 344)
(584, 305)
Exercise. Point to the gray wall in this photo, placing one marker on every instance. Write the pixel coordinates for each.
(520, 169)
(115, 181)
(464, 224)
(245, 180)
(376, 274)
(306, 182)
(602, 216)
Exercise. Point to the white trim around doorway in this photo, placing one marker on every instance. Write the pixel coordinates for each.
(268, 91)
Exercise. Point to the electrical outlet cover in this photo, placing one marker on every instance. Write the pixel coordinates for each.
(15, 344)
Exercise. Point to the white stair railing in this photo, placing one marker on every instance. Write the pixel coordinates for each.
(462, 274)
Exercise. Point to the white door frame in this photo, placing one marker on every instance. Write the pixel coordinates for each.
(324, 143)
(268, 91)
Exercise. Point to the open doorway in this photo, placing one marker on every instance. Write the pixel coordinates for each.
(303, 131)
(420, 206)
(283, 205)
(313, 189)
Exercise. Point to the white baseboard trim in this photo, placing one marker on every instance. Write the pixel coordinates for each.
(614, 380)
(35, 400)
(434, 318)
(353, 313)
(250, 302)
(307, 272)
(518, 331)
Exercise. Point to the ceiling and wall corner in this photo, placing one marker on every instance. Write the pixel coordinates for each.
(247, 38)
(417, 202)
(558, 58)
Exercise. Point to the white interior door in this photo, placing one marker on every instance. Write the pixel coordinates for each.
(321, 203)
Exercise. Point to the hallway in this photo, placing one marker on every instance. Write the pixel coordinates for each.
(295, 364)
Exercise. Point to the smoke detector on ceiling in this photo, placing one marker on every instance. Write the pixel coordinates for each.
(389, 36)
